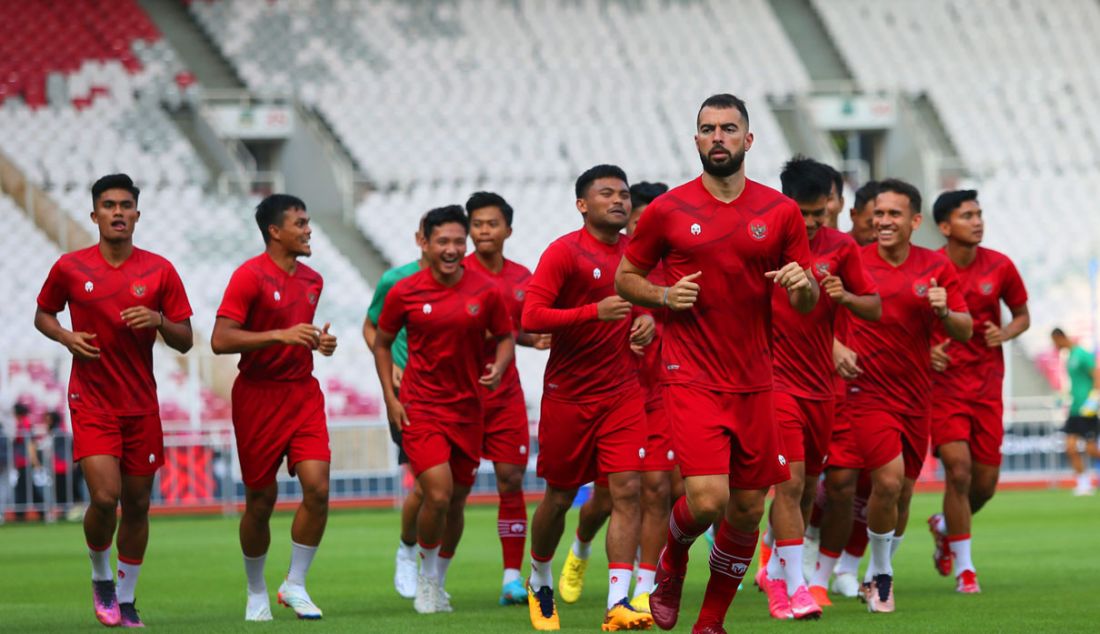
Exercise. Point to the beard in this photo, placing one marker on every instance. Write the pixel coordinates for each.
(725, 168)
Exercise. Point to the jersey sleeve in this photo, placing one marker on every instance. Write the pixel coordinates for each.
(392, 317)
(54, 294)
(648, 245)
(173, 298)
(796, 244)
(500, 322)
(1013, 291)
(856, 279)
(538, 312)
(374, 312)
(239, 296)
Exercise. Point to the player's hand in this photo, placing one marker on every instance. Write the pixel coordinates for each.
(834, 288)
(994, 336)
(845, 359)
(138, 317)
(940, 358)
(937, 297)
(792, 277)
(492, 376)
(642, 330)
(326, 343)
(301, 335)
(540, 341)
(81, 346)
(396, 414)
(682, 294)
(612, 308)
(398, 374)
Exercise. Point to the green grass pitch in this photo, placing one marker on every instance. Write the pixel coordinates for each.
(1038, 553)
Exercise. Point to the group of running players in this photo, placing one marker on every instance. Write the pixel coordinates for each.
(730, 341)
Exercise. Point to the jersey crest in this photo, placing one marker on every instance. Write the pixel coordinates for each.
(758, 229)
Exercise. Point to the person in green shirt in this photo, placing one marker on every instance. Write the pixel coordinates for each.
(1082, 424)
(404, 578)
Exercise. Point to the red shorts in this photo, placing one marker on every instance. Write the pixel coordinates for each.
(578, 441)
(137, 441)
(717, 433)
(880, 436)
(977, 423)
(506, 434)
(659, 455)
(805, 428)
(430, 442)
(272, 419)
(843, 453)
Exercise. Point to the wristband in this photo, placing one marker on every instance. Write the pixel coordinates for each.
(664, 298)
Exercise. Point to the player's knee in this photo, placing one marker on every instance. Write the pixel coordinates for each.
(655, 493)
(510, 482)
(886, 487)
(840, 492)
(104, 500)
(316, 495)
(135, 507)
(559, 501)
(437, 499)
(626, 491)
(958, 475)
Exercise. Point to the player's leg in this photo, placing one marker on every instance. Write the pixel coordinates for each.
(836, 523)
(783, 574)
(438, 485)
(590, 519)
(452, 535)
(958, 469)
(104, 480)
(547, 526)
(309, 520)
(406, 563)
(255, 537)
(887, 482)
(734, 547)
(623, 529)
(512, 529)
(656, 487)
(847, 580)
(133, 537)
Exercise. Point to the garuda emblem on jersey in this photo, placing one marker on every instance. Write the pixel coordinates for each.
(312, 297)
(987, 288)
(822, 268)
(138, 289)
(473, 308)
(520, 294)
(758, 229)
(920, 289)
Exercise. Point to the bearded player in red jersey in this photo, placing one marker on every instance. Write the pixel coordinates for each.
(968, 420)
(119, 298)
(447, 310)
(727, 241)
(506, 433)
(802, 350)
(889, 402)
(266, 315)
(593, 409)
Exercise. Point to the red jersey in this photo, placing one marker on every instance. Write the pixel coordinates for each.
(803, 344)
(120, 382)
(723, 343)
(893, 352)
(649, 369)
(261, 296)
(446, 328)
(512, 281)
(977, 371)
(589, 359)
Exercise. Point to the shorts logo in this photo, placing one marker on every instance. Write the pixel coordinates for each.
(921, 290)
(312, 297)
(277, 295)
(641, 452)
(671, 455)
(696, 229)
(138, 289)
(152, 458)
(523, 450)
(597, 273)
(427, 309)
(473, 471)
(520, 294)
(987, 288)
(88, 286)
(473, 308)
(822, 268)
(672, 367)
(782, 460)
(739, 569)
(758, 230)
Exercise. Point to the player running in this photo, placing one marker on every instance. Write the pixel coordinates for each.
(1082, 424)
(657, 466)
(593, 409)
(968, 418)
(506, 434)
(266, 315)
(802, 350)
(448, 310)
(405, 564)
(889, 401)
(119, 298)
(727, 241)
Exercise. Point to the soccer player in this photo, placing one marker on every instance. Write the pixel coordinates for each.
(405, 564)
(266, 316)
(835, 202)
(889, 401)
(802, 350)
(657, 466)
(446, 309)
(968, 418)
(1084, 385)
(506, 436)
(726, 241)
(593, 408)
(119, 297)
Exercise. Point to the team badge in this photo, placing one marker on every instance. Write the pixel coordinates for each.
(278, 296)
(427, 309)
(641, 452)
(138, 289)
(920, 289)
(312, 297)
(88, 286)
(822, 268)
(696, 229)
(782, 460)
(987, 288)
(519, 294)
(523, 450)
(739, 569)
(671, 455)
(473, 308)
(758, 229)
(596, 273)
(517, 528)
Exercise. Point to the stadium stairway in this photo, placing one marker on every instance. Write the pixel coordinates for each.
(191, 44)
(811, 40)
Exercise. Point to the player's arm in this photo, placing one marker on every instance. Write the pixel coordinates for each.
(80, 344)
(383, 363)
(539, 312)
(867, 307)
(177, 334)
(801, 287)
(631, 284)
(505, 353)
(846, 361)
(370, 332)
(958, 324)
(1021, 321)
(230, 337)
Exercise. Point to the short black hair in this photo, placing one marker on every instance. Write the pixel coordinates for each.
(1057, 332)
(270, 211)
(898, 186)
(21, 409)
(804, 179)
(592, 174)
(724, 100)
(645, 192)
(836, 177)
(865, 194)
(949, 201)
(481, 200)
(114, 181)
(443, 215)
